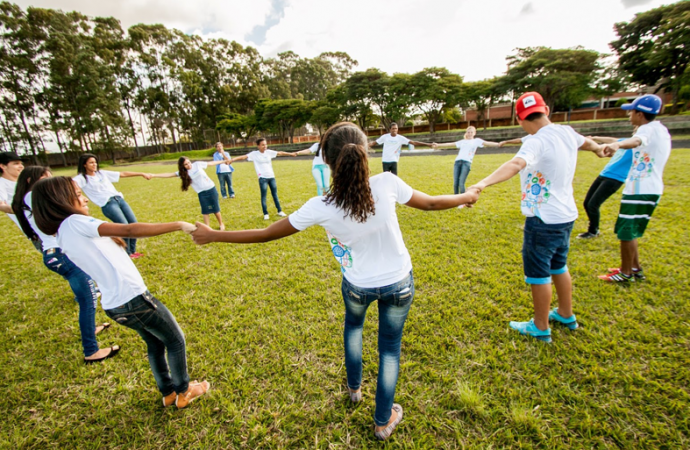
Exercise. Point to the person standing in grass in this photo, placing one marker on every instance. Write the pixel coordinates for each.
(546, 164)
(359, 216)
(261, 157)
(463, 162)
(83, 287)
(392, 144)
(62, 211)
(319, 170)
(10, 167)
(224, 172)
(97, 184)
(194, 175)
(650, 148)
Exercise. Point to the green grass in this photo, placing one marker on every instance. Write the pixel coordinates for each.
(264, 326)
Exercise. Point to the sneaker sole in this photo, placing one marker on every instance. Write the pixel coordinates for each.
(571, 326)
(546, 339)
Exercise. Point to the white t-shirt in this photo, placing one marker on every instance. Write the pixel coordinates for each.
(47, 240)
(7, 189)
(371, 254)
(649, 159)
(102, 259)
(200, 179)
(392, 146)
(547, 179)
(468, 147)
(262, 162)
(99, 188)
(318, 159)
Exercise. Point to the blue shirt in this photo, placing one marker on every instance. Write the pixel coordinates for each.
(619, 166)
(222, 168)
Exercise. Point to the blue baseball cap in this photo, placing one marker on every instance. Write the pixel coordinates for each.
(649, 103)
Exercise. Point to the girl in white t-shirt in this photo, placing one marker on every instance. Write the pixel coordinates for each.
(359, 216)
(83, 287)
(194, 175)
(319, 170)
(467, 148)
(61, 210)
(98, 186)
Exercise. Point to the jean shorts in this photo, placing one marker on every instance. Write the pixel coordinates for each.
(545, 250)
(208, 200)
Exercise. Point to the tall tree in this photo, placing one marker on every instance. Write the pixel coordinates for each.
(432, 91)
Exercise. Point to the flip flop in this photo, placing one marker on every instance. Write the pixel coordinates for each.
(113, 351)
(105, 327)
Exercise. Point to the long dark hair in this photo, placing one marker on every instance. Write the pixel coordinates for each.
(53, 201)
(184, 175)
(29, 176)
(83, 159)
(344, 148)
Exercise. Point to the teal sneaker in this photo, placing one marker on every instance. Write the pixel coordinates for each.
(530, 329)
(570, 322)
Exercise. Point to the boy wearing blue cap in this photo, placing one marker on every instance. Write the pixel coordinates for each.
(651, 147)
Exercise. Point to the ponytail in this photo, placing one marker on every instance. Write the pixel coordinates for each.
(184, 174)
(344, 150)
(29, 176)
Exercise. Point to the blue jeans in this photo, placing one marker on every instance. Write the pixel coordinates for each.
(460, 171)
(322, 176)
(85, 294)
(394, 303)
(545, 249)
(118, 211)
(225, 178)
(264, 184)
(146, 315)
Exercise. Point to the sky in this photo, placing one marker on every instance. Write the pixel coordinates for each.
(470, 38)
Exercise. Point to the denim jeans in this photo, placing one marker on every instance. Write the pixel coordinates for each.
(85, 294)
(391, 167)
(264, 184)
(118, 211)
(322, 176)
(225, 178)
(598, 193)
(460, 171)
(545, 249)
(146, 315)
(394, 303)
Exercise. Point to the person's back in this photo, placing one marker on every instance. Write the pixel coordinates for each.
(649, 160)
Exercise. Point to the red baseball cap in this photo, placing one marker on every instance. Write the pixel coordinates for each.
(528, 103)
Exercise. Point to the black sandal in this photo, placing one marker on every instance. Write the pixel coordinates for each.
(105, 326)
(113, 351)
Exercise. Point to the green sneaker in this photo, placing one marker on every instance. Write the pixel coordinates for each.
(530, 329)
(570, 322)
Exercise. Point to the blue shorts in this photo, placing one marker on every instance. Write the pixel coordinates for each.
(545, 250)
(208, 200)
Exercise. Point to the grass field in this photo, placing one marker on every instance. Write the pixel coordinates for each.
(264, 326)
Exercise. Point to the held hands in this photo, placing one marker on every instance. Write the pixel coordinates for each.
(434, 145)
(607, 150)
(202, 234)
(502, 143)
(187, 227)
(147, 176)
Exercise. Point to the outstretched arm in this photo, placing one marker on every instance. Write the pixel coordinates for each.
(436, 146)
(610, 149)
(215, 163)
(516, 141)
(286, 154)
(491, 144)
(142, 230)
(238, 158)
(148, 176)
(603, 139)
(4, 207)
(426, 202)
(278, 230)
(306, 151)
(592, 146)
(164, 175)
(420, 144)
(507, 171)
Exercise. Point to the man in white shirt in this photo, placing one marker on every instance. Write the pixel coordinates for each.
(10, 167)
(261, 157)
(392, 144)
(651, 147)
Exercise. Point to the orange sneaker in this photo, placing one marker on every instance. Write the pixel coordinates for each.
(169, 399)
(194, 390)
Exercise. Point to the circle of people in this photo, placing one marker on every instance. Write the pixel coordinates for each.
(358, 213)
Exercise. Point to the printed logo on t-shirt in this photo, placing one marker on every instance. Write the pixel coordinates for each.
(536, 191)
(340, 251)
(642, 166)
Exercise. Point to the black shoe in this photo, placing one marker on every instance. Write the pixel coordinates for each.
(587, 235)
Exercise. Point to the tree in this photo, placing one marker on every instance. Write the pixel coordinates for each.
(240, 125)
(324, 115)
(654, 47)
(283, 115)
(483, 94)
(432, 91)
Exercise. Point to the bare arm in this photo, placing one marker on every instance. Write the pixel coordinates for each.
(4, 207)
(306, 151)
(278, 230)
(507, 171)
(420, 144)
(135, 174)
(610, 149)
(215, 163)
(516, 141)
(426, 202)
(286, 154)
(592, 146)
(443, 145)
(603, 139)
(239, 158)
(491, 144)
(142, 230)
(164, 175)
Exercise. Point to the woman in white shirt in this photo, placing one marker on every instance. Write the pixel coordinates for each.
(61, 210)
(358, 214)
(463, 163)
(83, 287)
(319, 170)
(194, 175)
(98, 186)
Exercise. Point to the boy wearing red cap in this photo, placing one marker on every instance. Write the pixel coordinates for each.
(546, 164)
(651, 147)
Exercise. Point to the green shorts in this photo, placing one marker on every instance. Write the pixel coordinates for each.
(636, 210)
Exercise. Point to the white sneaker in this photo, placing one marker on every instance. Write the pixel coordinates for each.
(266, 217)
(282, 214)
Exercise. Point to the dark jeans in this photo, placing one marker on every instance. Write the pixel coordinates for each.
(225, 178)
(598, 193)
(85, 294)
(391, 167)
(118, 211)
(146, 315)
(460, 171)
(394, 302)
(264, 184)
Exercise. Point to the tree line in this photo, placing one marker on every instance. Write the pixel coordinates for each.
(93, 85)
